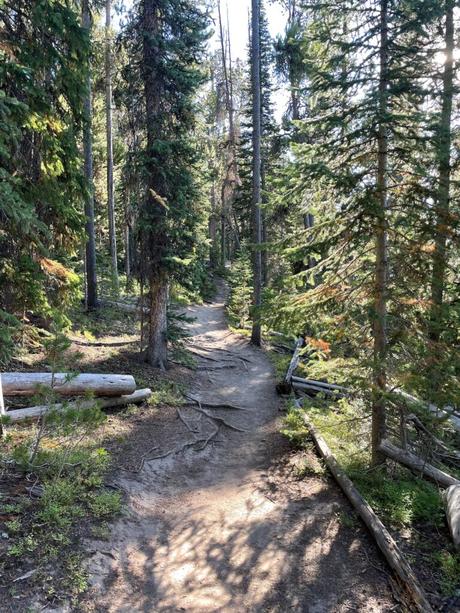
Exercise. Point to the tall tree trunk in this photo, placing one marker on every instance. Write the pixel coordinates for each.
(381, 251)
(228, 86)
(444, 143)
(213, 227)
(156, 353)
(108, 111)
(263, 231)
(90, 252)
(127, 234)
(223, 240)
(231, 178)
(256, 172)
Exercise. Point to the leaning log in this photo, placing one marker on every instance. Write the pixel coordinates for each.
(417, 464)
(441, 414)
(294, 360)
(104, 403)
(385, 541)
(27, 384)
(452, 498)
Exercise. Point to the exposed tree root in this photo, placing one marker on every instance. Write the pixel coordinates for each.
(184, 421)
(217, 418)
(216, 405)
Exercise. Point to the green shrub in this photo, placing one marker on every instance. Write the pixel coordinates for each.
(449, 565)
(105, 503)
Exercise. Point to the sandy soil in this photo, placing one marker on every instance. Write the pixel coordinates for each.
(226, 526)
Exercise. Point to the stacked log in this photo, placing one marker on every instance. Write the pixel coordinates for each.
(108, 390)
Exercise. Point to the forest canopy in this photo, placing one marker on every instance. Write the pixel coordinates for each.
(140, 158)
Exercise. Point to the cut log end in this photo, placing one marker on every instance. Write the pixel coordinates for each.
(452, 498)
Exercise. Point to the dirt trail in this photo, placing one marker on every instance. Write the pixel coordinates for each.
(229, 528)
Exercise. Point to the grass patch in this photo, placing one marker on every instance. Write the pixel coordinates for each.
(399, 499)
(67, 476)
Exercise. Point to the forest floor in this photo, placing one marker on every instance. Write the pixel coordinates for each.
(226, 523)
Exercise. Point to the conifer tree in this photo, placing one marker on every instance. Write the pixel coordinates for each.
(357, 163)
(256, 172)
(109, 130)
(442, 197)
(172, 34)
(43, 54)
(90, 259)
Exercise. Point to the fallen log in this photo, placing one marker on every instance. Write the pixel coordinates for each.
(313, 389)
(452, 498)
(331, 386)
(417, 464)
(385, 541)
(83, 343)
(27, 384)
(104, 403)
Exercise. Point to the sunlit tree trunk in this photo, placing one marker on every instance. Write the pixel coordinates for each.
(444, 144)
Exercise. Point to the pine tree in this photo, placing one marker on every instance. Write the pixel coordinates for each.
(90, 260)
(443, 146)
(109, 129)
(43, 56)
(170, 37)
(358, 161)
(256, 172)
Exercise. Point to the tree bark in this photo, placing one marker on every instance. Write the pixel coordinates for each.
(213, 228)
(110, 182)
(256, 173)
(128, 257)
(381, 252)
(155, 211)
(90, 252)
(223, 240)
(444, 143)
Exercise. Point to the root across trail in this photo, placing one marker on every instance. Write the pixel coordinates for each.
(217, 517)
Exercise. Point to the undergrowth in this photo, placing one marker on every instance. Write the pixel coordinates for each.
(47, 504)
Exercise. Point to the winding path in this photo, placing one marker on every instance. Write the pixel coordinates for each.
(228, 527)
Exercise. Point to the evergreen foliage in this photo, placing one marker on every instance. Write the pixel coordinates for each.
(43, 49)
